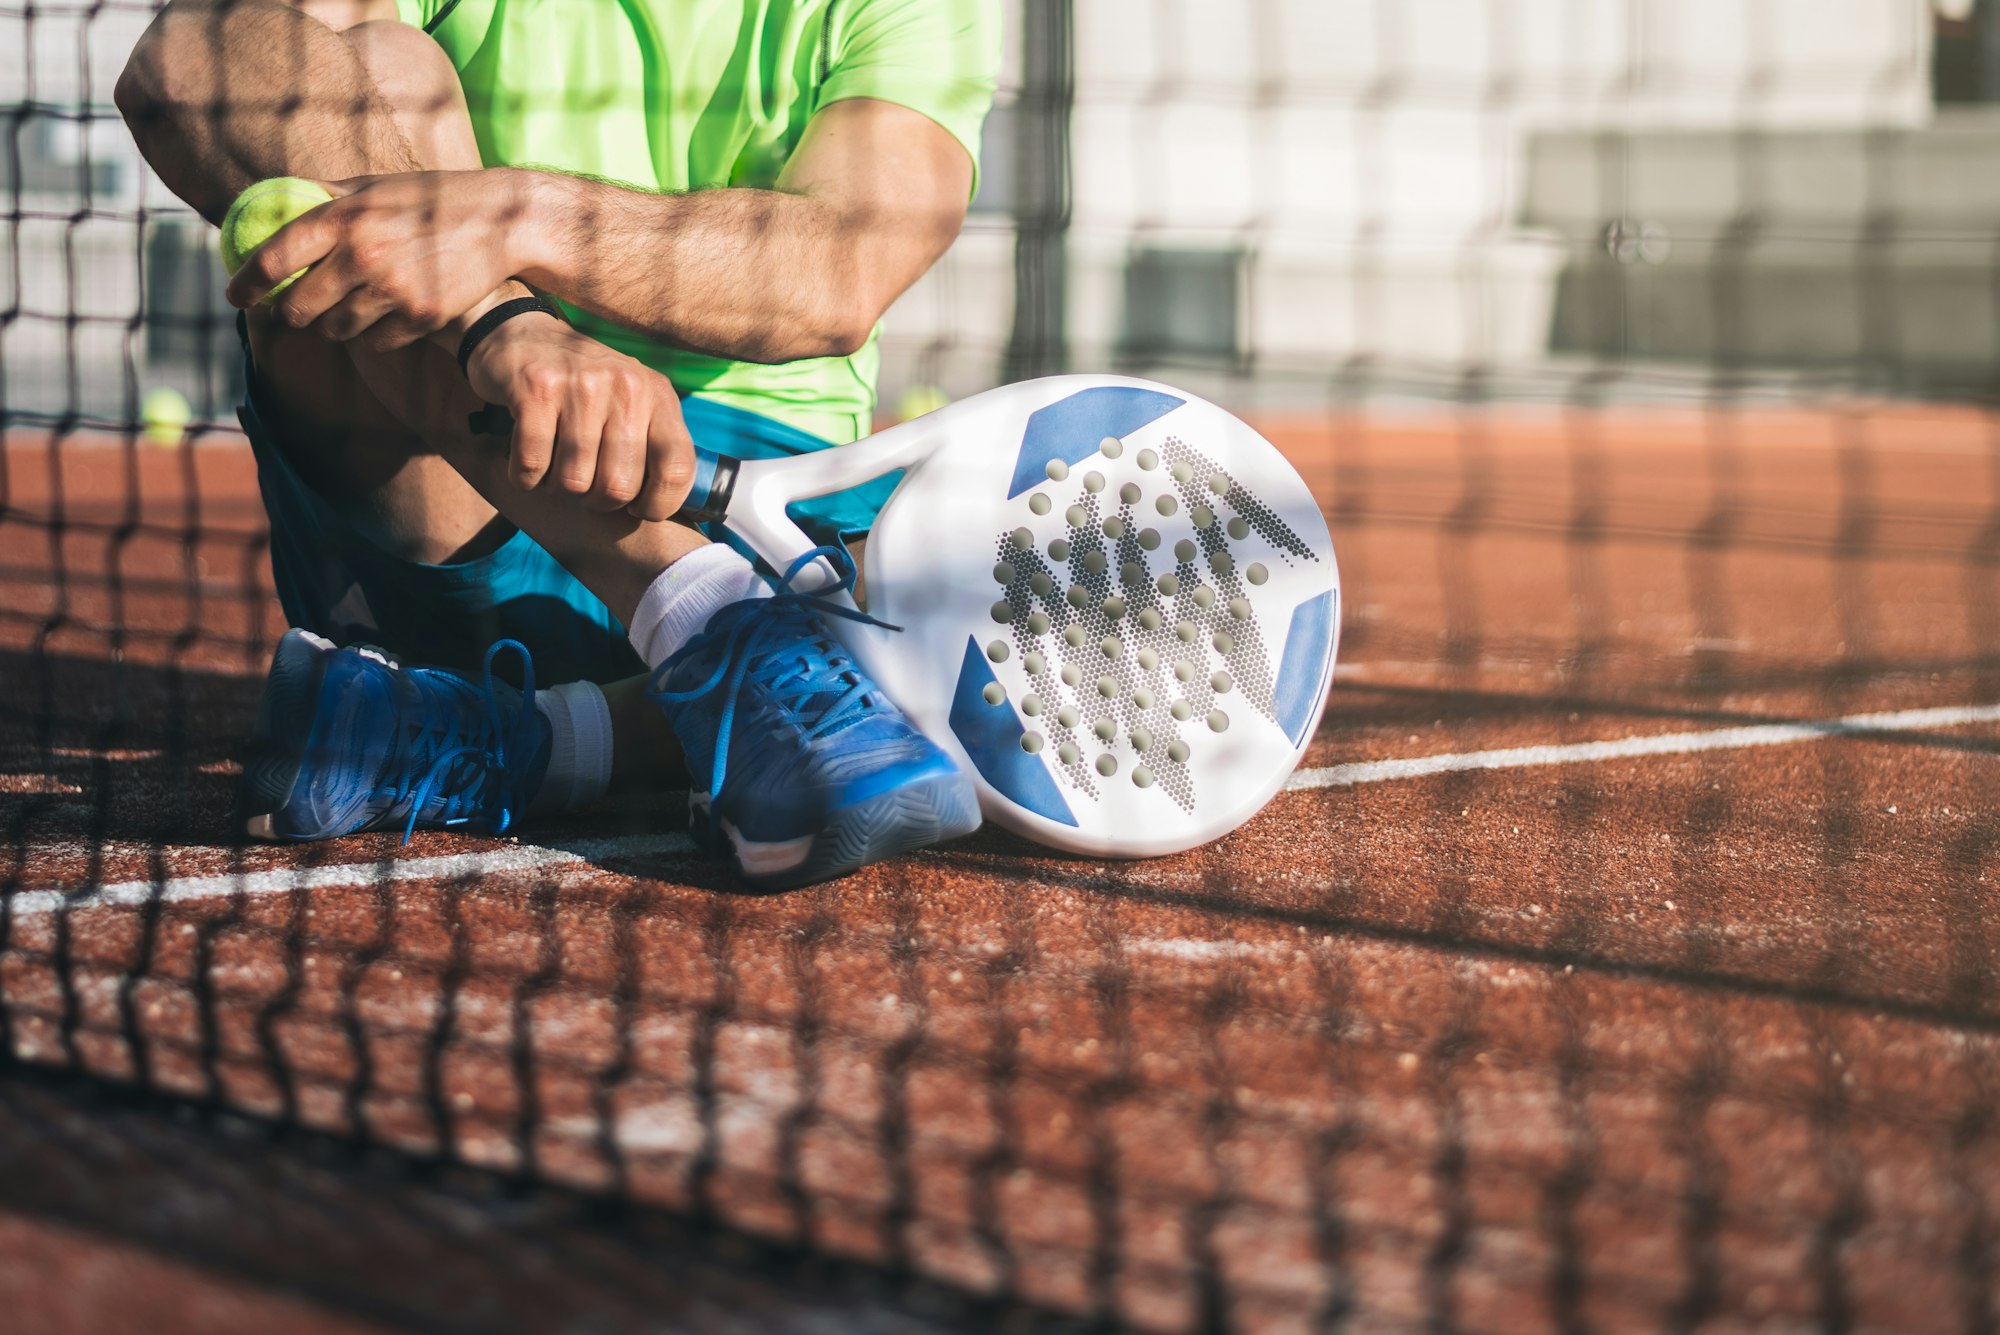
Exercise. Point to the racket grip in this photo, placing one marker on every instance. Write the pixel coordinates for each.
(714, 474)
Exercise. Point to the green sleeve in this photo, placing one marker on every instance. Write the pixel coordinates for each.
(417, 13)
(938, 57)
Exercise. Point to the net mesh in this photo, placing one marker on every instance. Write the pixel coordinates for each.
(1622, 956)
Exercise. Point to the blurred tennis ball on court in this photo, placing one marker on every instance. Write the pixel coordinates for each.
(259, 212)
(920, 399)
(164, 416)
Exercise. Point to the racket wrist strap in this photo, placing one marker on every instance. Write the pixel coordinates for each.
(499, 315)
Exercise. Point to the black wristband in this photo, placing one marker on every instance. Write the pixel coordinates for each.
(498, 316)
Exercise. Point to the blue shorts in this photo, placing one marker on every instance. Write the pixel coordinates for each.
(333, 581)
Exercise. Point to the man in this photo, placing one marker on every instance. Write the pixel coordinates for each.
(723, 196)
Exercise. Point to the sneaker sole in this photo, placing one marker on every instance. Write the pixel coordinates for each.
(276, 751)
(914, 816)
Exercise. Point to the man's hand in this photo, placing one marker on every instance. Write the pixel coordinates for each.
(587, 419)
(393, 258)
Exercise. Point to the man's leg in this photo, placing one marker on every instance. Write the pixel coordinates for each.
(805, 769)
(380, 436)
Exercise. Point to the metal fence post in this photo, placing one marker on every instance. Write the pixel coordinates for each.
(1037, 345)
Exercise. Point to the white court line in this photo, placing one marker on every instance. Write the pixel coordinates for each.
(536, 857)
(517, 858)
(1664, 744)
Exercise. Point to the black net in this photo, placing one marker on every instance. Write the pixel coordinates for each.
(1620, 958)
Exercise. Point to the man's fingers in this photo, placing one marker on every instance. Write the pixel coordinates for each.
(299, 244)
(398, 329)
(536, 418)
(360, 313)
(669, 466)
(317, 292)
(588, 422)
(577, 440)
(621, 460)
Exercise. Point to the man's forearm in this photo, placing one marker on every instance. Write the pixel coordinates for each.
(756, 275)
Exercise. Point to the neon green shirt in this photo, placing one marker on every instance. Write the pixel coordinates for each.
(677, 95)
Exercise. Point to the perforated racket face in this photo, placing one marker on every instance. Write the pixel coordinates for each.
(1120, 608)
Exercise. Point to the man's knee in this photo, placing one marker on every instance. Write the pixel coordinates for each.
(171, 66)
(402, 59)
(137, 87)
(418, 83)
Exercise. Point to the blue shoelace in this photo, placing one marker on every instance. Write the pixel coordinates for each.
(776, 639)
(484, 770)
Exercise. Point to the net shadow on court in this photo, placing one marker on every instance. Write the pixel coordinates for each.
(1608, 1038)
(1622, 957)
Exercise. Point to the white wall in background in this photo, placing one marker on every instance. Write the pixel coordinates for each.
(1369, 156)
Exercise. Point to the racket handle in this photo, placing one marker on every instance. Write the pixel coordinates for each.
(714, 474)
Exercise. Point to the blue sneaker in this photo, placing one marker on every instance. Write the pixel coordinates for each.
(811, 771)
(349, 740)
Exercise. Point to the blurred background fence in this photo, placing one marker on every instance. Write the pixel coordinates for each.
(1295, 198)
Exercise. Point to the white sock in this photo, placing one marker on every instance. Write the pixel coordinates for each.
(579, 746)
(679, 603)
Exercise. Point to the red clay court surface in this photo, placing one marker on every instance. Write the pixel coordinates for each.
(1624, 1035)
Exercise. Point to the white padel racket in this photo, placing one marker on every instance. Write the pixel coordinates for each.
(1118, 603)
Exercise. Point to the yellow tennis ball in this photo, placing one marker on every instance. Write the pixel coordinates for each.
(919, 400)
(165, 416)
(259, 212)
